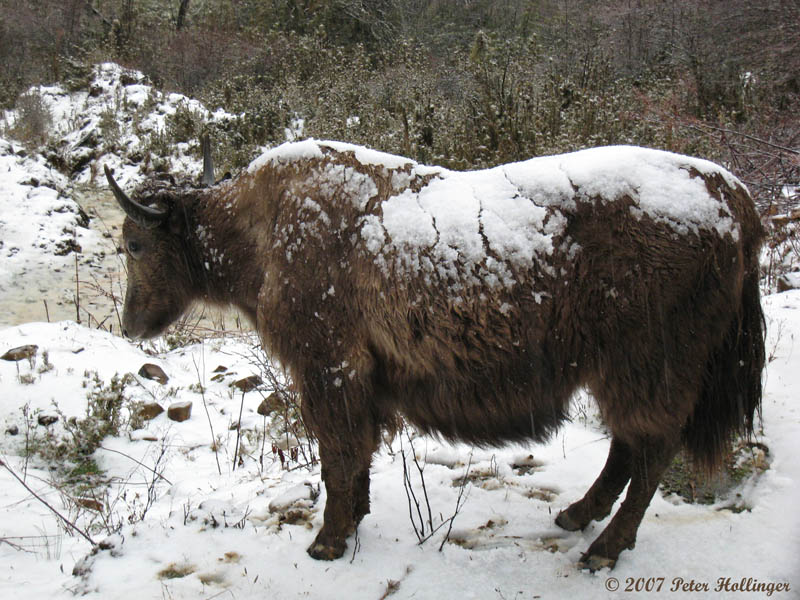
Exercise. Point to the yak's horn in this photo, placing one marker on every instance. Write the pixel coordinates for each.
(208, 164)
(144, 216)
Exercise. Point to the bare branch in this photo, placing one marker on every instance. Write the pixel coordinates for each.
(67, 522)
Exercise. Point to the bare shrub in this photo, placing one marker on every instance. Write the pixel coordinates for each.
(33, 120)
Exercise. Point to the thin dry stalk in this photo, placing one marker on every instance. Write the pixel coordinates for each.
(200, 379)
(153, 470)
(236, 453)
(69, 524)
(77, 293)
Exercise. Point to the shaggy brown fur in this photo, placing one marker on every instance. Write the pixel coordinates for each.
(666, 330)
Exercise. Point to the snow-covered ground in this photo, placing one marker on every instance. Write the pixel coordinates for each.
(218, 532)
(190, 525)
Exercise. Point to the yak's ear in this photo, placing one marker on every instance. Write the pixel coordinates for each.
(177, 220)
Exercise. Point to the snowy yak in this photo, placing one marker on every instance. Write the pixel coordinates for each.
(474, 304)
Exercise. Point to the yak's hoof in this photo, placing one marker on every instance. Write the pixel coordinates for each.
(564, 521)
(321, 551)
(596, 562)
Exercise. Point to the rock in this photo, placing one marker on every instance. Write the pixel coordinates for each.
(785, 219)
(287, 442)
(789, 281)
(151, 371)
(13, 430)
(270, 404)
(248, 384)
(303, 496)
(64, 247)
(21, 352)
(221, 372)
(90, 503)
(142, 435)
(150, 410)
(180, 411)
(47, 420)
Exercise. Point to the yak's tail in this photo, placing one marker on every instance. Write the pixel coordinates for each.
(732, 388)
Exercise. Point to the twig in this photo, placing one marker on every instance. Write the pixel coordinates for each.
(459, 506)
(411, 496)
(141, 464)
(205, 405)
(66, 521)
(17, 547)
(238, 432)
(77, 292)
(744, 135)
(459, 503)
(356, 545)
(98, 14)
(420, 469)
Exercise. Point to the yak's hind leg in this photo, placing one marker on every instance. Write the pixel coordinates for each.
(348, 435)
(597, 502)
(649, 459)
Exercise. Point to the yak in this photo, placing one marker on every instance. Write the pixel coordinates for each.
(474, 304)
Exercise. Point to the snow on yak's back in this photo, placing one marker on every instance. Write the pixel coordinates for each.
(474, 304)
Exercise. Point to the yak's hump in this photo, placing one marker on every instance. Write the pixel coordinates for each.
(478, 227)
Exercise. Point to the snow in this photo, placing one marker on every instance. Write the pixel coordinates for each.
(518, 209)
(287, 153)
(474, 229)
(40, 225)
(224, 529)
(229, 532)
(122, 100)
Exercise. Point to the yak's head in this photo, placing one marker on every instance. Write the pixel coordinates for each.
(162, 274)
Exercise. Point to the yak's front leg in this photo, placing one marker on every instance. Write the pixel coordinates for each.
(340, 418)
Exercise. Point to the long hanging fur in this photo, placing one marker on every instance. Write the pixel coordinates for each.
(732, 389)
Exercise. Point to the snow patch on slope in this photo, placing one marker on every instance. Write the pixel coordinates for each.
(40, 223)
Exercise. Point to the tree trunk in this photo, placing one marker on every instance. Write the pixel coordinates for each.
(184, 6)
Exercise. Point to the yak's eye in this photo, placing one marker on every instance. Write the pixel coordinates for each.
(134, 248)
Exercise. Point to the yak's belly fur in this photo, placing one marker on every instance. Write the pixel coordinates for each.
(483, 406)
